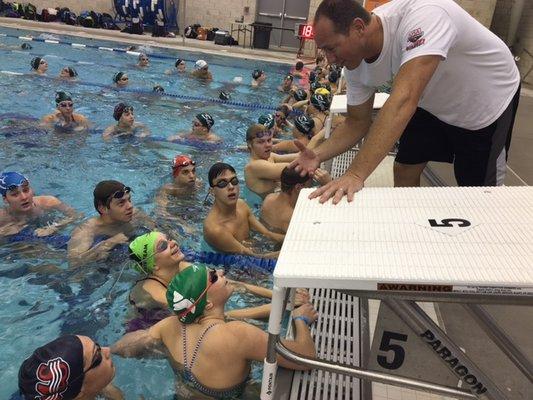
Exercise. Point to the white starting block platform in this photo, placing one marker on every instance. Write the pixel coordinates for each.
(339, 104)
(453, 244)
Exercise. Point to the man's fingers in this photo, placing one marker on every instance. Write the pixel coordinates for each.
(350, 194)
(317, 192)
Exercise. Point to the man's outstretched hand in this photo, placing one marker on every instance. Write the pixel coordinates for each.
(307, 161)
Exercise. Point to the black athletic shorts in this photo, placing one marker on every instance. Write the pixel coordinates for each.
(479, 157)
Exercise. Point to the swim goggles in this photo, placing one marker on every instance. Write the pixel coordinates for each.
(119, 194)
(213, 277)
(65, 104)
(223, 183)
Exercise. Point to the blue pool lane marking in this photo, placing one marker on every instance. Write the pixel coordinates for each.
(251, 106)
(64, 42)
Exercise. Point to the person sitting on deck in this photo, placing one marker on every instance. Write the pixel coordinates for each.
(212, 356)
(228, 224)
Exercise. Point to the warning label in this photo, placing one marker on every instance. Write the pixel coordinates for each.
(414, 287)
(508, 290)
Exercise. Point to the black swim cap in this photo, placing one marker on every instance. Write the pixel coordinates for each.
(320, 101)
(333, 76)
(62, 96)
(117, 76)
(178, 62)
(304, 124)
(224, 96)
(158, 89)
(26, 46)
(300, 95)
(35, 62)
(206, 120)
(216, 170)
(257, 73)
(312, 76)
(53, 371)
(72, 72)
(119, 110)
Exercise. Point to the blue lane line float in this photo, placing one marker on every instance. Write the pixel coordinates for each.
(250, 106)
(91, 46)
(60, 241)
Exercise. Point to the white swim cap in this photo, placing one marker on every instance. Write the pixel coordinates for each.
(200, 64)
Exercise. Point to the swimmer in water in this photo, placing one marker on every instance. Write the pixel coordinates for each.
(288, 84)
(179, 67)
(158, 259)
(144, 61)
(213, 355)
(117, 220)
(184, 179)
(277, 208)
(263, 171)
(201, 71)
(258, 77)
(229, 222)
(68, 73)
(39, 65)
(69, 367)
(201, 130)
(121, 79)
(126, 125)
(22, 207)
(64, 118)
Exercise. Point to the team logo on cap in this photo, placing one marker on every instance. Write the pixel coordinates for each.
(53, 379)
(181, 303)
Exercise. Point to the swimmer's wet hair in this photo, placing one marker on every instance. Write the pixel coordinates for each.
(299, 65)
(218, 169)
(290, 178)
(103, 190)
(253, 130)
(341, 13)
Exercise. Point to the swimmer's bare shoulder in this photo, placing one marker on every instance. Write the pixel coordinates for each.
(46, 202)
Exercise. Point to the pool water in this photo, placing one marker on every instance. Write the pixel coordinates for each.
(42, 298)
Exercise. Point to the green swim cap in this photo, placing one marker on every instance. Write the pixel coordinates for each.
(186, 293)
(142, 251)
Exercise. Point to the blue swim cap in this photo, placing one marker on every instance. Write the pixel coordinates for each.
(10, 181)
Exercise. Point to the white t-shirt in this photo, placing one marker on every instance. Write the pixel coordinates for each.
(473, 84)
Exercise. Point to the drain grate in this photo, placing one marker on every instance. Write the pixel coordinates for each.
(335, 334)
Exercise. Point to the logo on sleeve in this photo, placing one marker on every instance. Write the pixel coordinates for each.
(415, 38)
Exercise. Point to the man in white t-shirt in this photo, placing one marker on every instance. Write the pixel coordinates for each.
(455, 90)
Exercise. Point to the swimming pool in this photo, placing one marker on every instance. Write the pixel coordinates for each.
(42, 298)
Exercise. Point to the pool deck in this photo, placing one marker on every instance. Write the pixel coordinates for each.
(204, 46)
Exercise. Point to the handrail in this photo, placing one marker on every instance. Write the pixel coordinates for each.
(373, 375)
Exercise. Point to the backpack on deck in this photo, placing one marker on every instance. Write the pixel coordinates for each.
(107, 22)
(48, 14)
(30, 12)
(86, 20)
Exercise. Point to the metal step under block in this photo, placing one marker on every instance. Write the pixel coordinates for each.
(335, 334)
